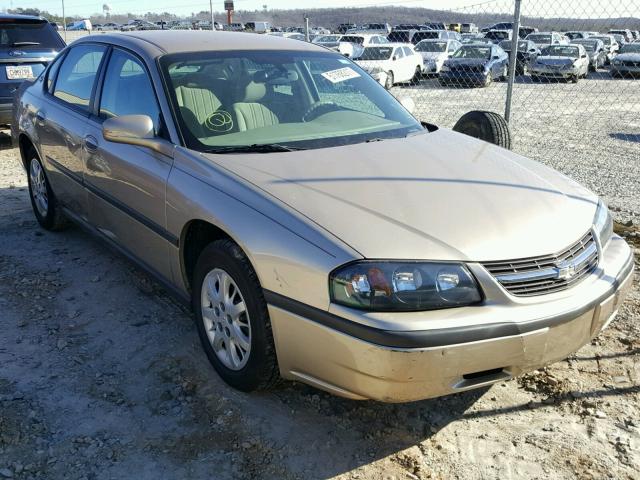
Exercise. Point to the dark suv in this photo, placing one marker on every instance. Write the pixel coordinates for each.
(27, 45)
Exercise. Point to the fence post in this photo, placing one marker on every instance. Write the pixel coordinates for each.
(306, 28)
(513, 59)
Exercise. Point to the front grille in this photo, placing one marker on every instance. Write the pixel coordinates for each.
(528, 277)
(468, 68)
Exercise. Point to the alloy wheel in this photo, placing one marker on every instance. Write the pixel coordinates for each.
(39, 187)
(226, 319)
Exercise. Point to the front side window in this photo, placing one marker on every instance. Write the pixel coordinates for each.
(77, 75)
(127, 89)
(303, 100)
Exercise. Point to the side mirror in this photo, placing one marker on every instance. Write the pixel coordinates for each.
(395, 57)
(495, 57)
(135, 130)
(408, 103)
(584, 56)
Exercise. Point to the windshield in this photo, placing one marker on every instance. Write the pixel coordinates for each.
(29, 34)
(473, 51)
(631, 48)
(293, 99)
(561, 51)
(376, 53)
(352, 39)
(605, 40)
(539, 38)
(523, 45)
(431, 47)
(497, 35)
(327, 39)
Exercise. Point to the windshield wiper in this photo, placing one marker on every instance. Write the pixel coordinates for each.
(22, 44)
(264, 148)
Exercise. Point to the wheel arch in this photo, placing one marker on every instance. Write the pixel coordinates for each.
(24, 145)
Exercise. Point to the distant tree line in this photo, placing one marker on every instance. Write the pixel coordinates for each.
(331, 17)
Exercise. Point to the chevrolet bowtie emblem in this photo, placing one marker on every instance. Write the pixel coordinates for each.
(566, 272)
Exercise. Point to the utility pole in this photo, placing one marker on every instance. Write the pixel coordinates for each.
(64, 23)
(306, 27)
(513, 59)
(211, 11)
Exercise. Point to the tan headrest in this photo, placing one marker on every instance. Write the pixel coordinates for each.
(254, 92)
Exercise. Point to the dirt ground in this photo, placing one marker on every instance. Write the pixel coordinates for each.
(102, 377)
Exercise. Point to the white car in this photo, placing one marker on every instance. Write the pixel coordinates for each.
(392, 63)
(434, 53)
(351, 46)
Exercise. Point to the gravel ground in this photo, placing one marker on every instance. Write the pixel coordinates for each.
(102, 376)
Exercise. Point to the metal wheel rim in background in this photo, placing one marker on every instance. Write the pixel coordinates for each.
(39, 187)
(226, 319)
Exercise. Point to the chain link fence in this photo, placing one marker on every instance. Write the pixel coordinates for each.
(587, 123)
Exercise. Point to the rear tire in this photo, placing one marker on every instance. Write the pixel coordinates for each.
(240, 346)
(488, 126)
(45, 206)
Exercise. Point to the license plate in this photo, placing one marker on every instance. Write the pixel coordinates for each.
(19, 73)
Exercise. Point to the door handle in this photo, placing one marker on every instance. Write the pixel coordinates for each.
(91, 144)
(40, 118)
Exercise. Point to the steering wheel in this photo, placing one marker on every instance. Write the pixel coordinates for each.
(319, 108)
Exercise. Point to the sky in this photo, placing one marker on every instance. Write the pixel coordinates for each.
(582, 8)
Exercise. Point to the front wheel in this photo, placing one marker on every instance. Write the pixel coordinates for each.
(388, 84)
(45, 206)
(415, 80)
(232, 318)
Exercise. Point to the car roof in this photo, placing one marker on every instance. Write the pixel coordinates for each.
(17, 16)
(159, 42)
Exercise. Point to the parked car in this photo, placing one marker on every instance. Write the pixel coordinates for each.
(497, 36)
(486, 41)
(391, 64)
(469, 28)
(290, 35)
(328, 41)
(625, 32)
(475, 65)
(561, 62)
(303, 250)
(577, 35)
(527, 53)
(372, 28)
(498, 26)
(471, 37)
(402, 36)
(434, 26)
(233, 27)
(544, 39)
(434, 53)
(524, 32)
(109, 26)
(257, 27)
(610, 45)
(455, 27)
(27, 45)
(596, 51)
(620, 39)
(627, 62)
(80, 25)
(351, 46)
(434, 35)
(345, 27)
(407, 26)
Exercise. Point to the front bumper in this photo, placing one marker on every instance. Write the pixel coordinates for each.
(453, 350)
(463, 78)
(552, 72)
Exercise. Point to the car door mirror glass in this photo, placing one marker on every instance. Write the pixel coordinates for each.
(135, 130)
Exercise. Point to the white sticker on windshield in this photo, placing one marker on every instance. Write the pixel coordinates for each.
(341, 75)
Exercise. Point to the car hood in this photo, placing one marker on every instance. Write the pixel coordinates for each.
(438, 196)
(629, 57)
(552, 60)
(467, 61)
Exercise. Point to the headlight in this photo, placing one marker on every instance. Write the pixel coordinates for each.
(403, 286)
(603, 224)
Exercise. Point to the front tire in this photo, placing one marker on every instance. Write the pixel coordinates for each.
(232, 318)
(389, 82)
(45, 206)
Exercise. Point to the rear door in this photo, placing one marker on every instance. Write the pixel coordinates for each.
(62, 121)
(125, 183)
(26, 47)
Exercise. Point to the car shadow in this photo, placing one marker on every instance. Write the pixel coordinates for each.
(5, 141)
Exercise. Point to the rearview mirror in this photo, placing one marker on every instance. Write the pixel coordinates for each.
(408, 103)
(135, 130)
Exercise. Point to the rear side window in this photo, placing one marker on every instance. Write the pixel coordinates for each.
(127, 89)
(77, 75)
(29, 34)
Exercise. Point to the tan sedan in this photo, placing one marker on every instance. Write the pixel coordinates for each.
(319, 231)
